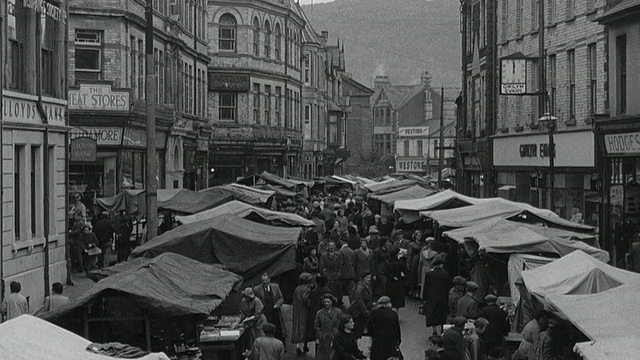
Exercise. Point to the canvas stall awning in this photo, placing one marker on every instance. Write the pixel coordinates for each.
(244, 247)
(170, 286)
(500, 208)
(243, 210)
(30, 338)
(412, 192)
(447, 199)
(502, 236)
(257, 196)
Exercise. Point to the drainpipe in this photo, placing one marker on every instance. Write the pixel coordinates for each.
(45, 152)
(67, 247)
(3, 33)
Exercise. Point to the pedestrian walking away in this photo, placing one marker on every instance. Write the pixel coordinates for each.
(384, 327)
(14, 304)
(301, 301)
(267, 347)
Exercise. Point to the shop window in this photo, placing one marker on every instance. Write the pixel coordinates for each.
(88, 54)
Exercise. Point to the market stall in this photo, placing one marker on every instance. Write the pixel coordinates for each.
(30, 338)
(388, 198)
(250, 212)
(447, 199)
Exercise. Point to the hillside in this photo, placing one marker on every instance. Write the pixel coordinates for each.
(398, 38)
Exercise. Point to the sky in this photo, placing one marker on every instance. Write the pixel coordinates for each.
(305, 2)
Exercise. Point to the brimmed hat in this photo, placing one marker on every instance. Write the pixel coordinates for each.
(248, 292)
(305, 276)
(459, 280)
(384, 300)
(490, 298)
(374, 230)
(472, 287)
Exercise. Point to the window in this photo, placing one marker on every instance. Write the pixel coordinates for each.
(133, 63)
(256, 37)
(88, 55)
(553, 83)
(278, 105)
(519, 16)
(278, 44)
(420, 148)
(227, 107)
(48, 60)
(35, 173)
(475, 93)
(483, 26)
(388, 117)
(535, 20)
(552, 12)
(141, 74)
(593, 82)
(505, 20)
(591, 4)
(267, 104)
(621, 73)
(256, 103)
(406, 148)
(227, 33)
(571, 9)
(571, 70)
(307, 69)
(18, 191)
(15, 50)
(267, 39)
(307, 114)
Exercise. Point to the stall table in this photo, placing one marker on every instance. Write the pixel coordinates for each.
(219, 336)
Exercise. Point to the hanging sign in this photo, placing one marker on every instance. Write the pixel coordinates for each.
(84, 149)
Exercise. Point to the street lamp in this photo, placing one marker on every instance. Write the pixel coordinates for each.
(550, 122)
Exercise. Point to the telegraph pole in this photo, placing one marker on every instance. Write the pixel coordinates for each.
(441, 141)
(150, 95)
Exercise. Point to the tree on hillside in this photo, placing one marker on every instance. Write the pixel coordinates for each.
(370, 165)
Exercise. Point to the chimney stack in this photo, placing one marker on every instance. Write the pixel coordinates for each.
(325, 37)
(425, 79)
(381, 81)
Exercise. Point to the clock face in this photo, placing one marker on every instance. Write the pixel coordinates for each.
(514, 71)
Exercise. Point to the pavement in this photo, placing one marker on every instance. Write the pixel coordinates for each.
(415, 334)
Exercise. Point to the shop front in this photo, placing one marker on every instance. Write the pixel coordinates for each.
(521, 164)
(619, 146)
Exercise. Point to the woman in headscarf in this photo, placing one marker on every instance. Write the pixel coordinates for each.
(301, 314)
(326, 325)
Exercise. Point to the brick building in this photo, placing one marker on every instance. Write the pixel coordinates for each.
(359, 126)
(477, 118)
(575, 83)
(107, 61)
(618, 134)
(255, 87)
(33, 146)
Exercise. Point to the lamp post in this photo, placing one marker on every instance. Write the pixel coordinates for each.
(551, 120)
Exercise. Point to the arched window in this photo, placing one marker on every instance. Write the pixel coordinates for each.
(278, 45)
(256, 36)
(227, 33)
(267, 39)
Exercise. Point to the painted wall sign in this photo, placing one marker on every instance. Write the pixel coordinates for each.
(229, 82)
(572, 149)
(410, 165)
(84, 149)
(98, 97)
(26, 111)
(102, 135)
(47, 9)
(622, 144)
(422, 131)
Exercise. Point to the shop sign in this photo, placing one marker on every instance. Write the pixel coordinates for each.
(622, 144)
(471, 162)
(229, 82)
(572, 149)
(422, 131)
(46, 8)
(98, 97)
(83, 149)
(102, 135)
(410, 165)
(138, 138)
(26, 111)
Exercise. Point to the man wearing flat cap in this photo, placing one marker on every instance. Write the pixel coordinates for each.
(455, 294)
(453, 340)
(498, 323)
(384, 328)
(467, 305)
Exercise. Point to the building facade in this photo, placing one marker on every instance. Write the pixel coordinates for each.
(477, 118)
(618, 134)
(107, 82)
(34, 146)
(575, 79)
(359, 126)
(255, 88)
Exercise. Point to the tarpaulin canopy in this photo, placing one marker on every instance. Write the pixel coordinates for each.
(610, 314)
(390, 186)
(447, 199)
(130, 200)
(620, 348)
(375, 185)
(243, 210)
(192, 202)
(412, 192)
(257, 196)
(279, 192)
(499, 208)
(506, 237)
(30, 338)
(244, 247)
(573, 274)
(170, 286)
(343, 180)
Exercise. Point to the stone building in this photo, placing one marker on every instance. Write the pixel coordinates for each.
(107, 93)
(359, 126)
(255, 87)
(33, 147)
(575, 73)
